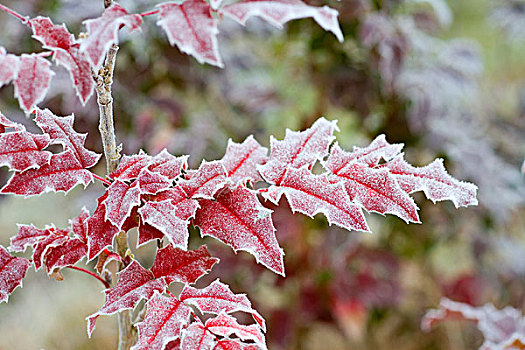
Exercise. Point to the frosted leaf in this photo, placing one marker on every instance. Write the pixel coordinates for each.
(100, 232)
(298, 149)
(175, 264)
(79, 225)
(206, 181)
(32, 81)
(434, 181)
(21, 150)
(66, 53)
(103, 32)
(197, 337)
(134, 283)
(55, 237)
(192, 28)
(6, 123)
(233, 218)
(501, 328)
(278, 12)
(168, 165)
(8, 67)
(121, 199)
(165, 317)
(370, 155)
(225, 325)
(218, 297)
(152, 182)
(60, 130)
(130, 167)
(12, 271)
(311, 194)
(27, 235)
(66, 253)
(185, 207)
(241, 160)
(375, 189)
(161, 215)
(147, 233)
(61, 174)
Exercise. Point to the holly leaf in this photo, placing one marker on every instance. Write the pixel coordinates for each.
(61, 174)
(21, 150)
(197, 337)
(66, 52)
(60, 130)
(434, 181)
(174, 264)
(134, 283)
(12, 271)
(162, 216)
(278, 12)
(237, 218)
(375, 189)
(67, 252)
(32, 81)
(226, 325)
(502, 329)
(147, 233)
(191, 27)
(241, 160)
(311, 194)
(8, 67)
(130, 167)
(298, 149)
(120, 200)
(206, 181)
(165, 317)
(378, 149)
(100, 232)
(103, 32)
(27, 235)
(217, 298)
(152, 182)
(168, 165)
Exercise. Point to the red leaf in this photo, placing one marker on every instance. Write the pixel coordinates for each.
(501, 328)
(130, 167)
(134, 283)
(278, 12)
(6, 123)
(61, 174)
(375, 189)
(164, 320)
(27, 235)
(370, 155)
(79, 225)
(55, 237)
(434, 181)
(100, 231)
(225, 325)
(197, 337)
(185, 207)
(241, 160)
(298, 149)
(61, 131)
(21, 150)
(161, 215)
(121, 199)
(67, 253)
(66, 53)
(8, 67)
(175, 264)
(311, 194)
(192, 28)
(32, 81)
(151, 182)
(12, 271)
(103, 31)
(237, 218)
(148, 233)
(218, 297)
(168, 165)
(206, 181)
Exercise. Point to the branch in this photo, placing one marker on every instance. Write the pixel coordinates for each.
(15, 14)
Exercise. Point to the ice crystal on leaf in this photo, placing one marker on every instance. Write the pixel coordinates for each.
(12, 271)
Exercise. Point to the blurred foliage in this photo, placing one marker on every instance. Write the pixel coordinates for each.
(401, 71)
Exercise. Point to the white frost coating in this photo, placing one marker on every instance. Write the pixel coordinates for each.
(121, 199)
(192, 29)
(278, 12)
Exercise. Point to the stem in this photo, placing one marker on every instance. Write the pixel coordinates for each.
(100, 178)
(149, 13)
(14, 14)
(106, 284)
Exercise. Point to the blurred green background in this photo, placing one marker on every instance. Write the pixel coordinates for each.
(446, 79)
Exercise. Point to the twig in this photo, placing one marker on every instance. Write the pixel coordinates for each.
(14, 13)
(100, 178)
(106, 284)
